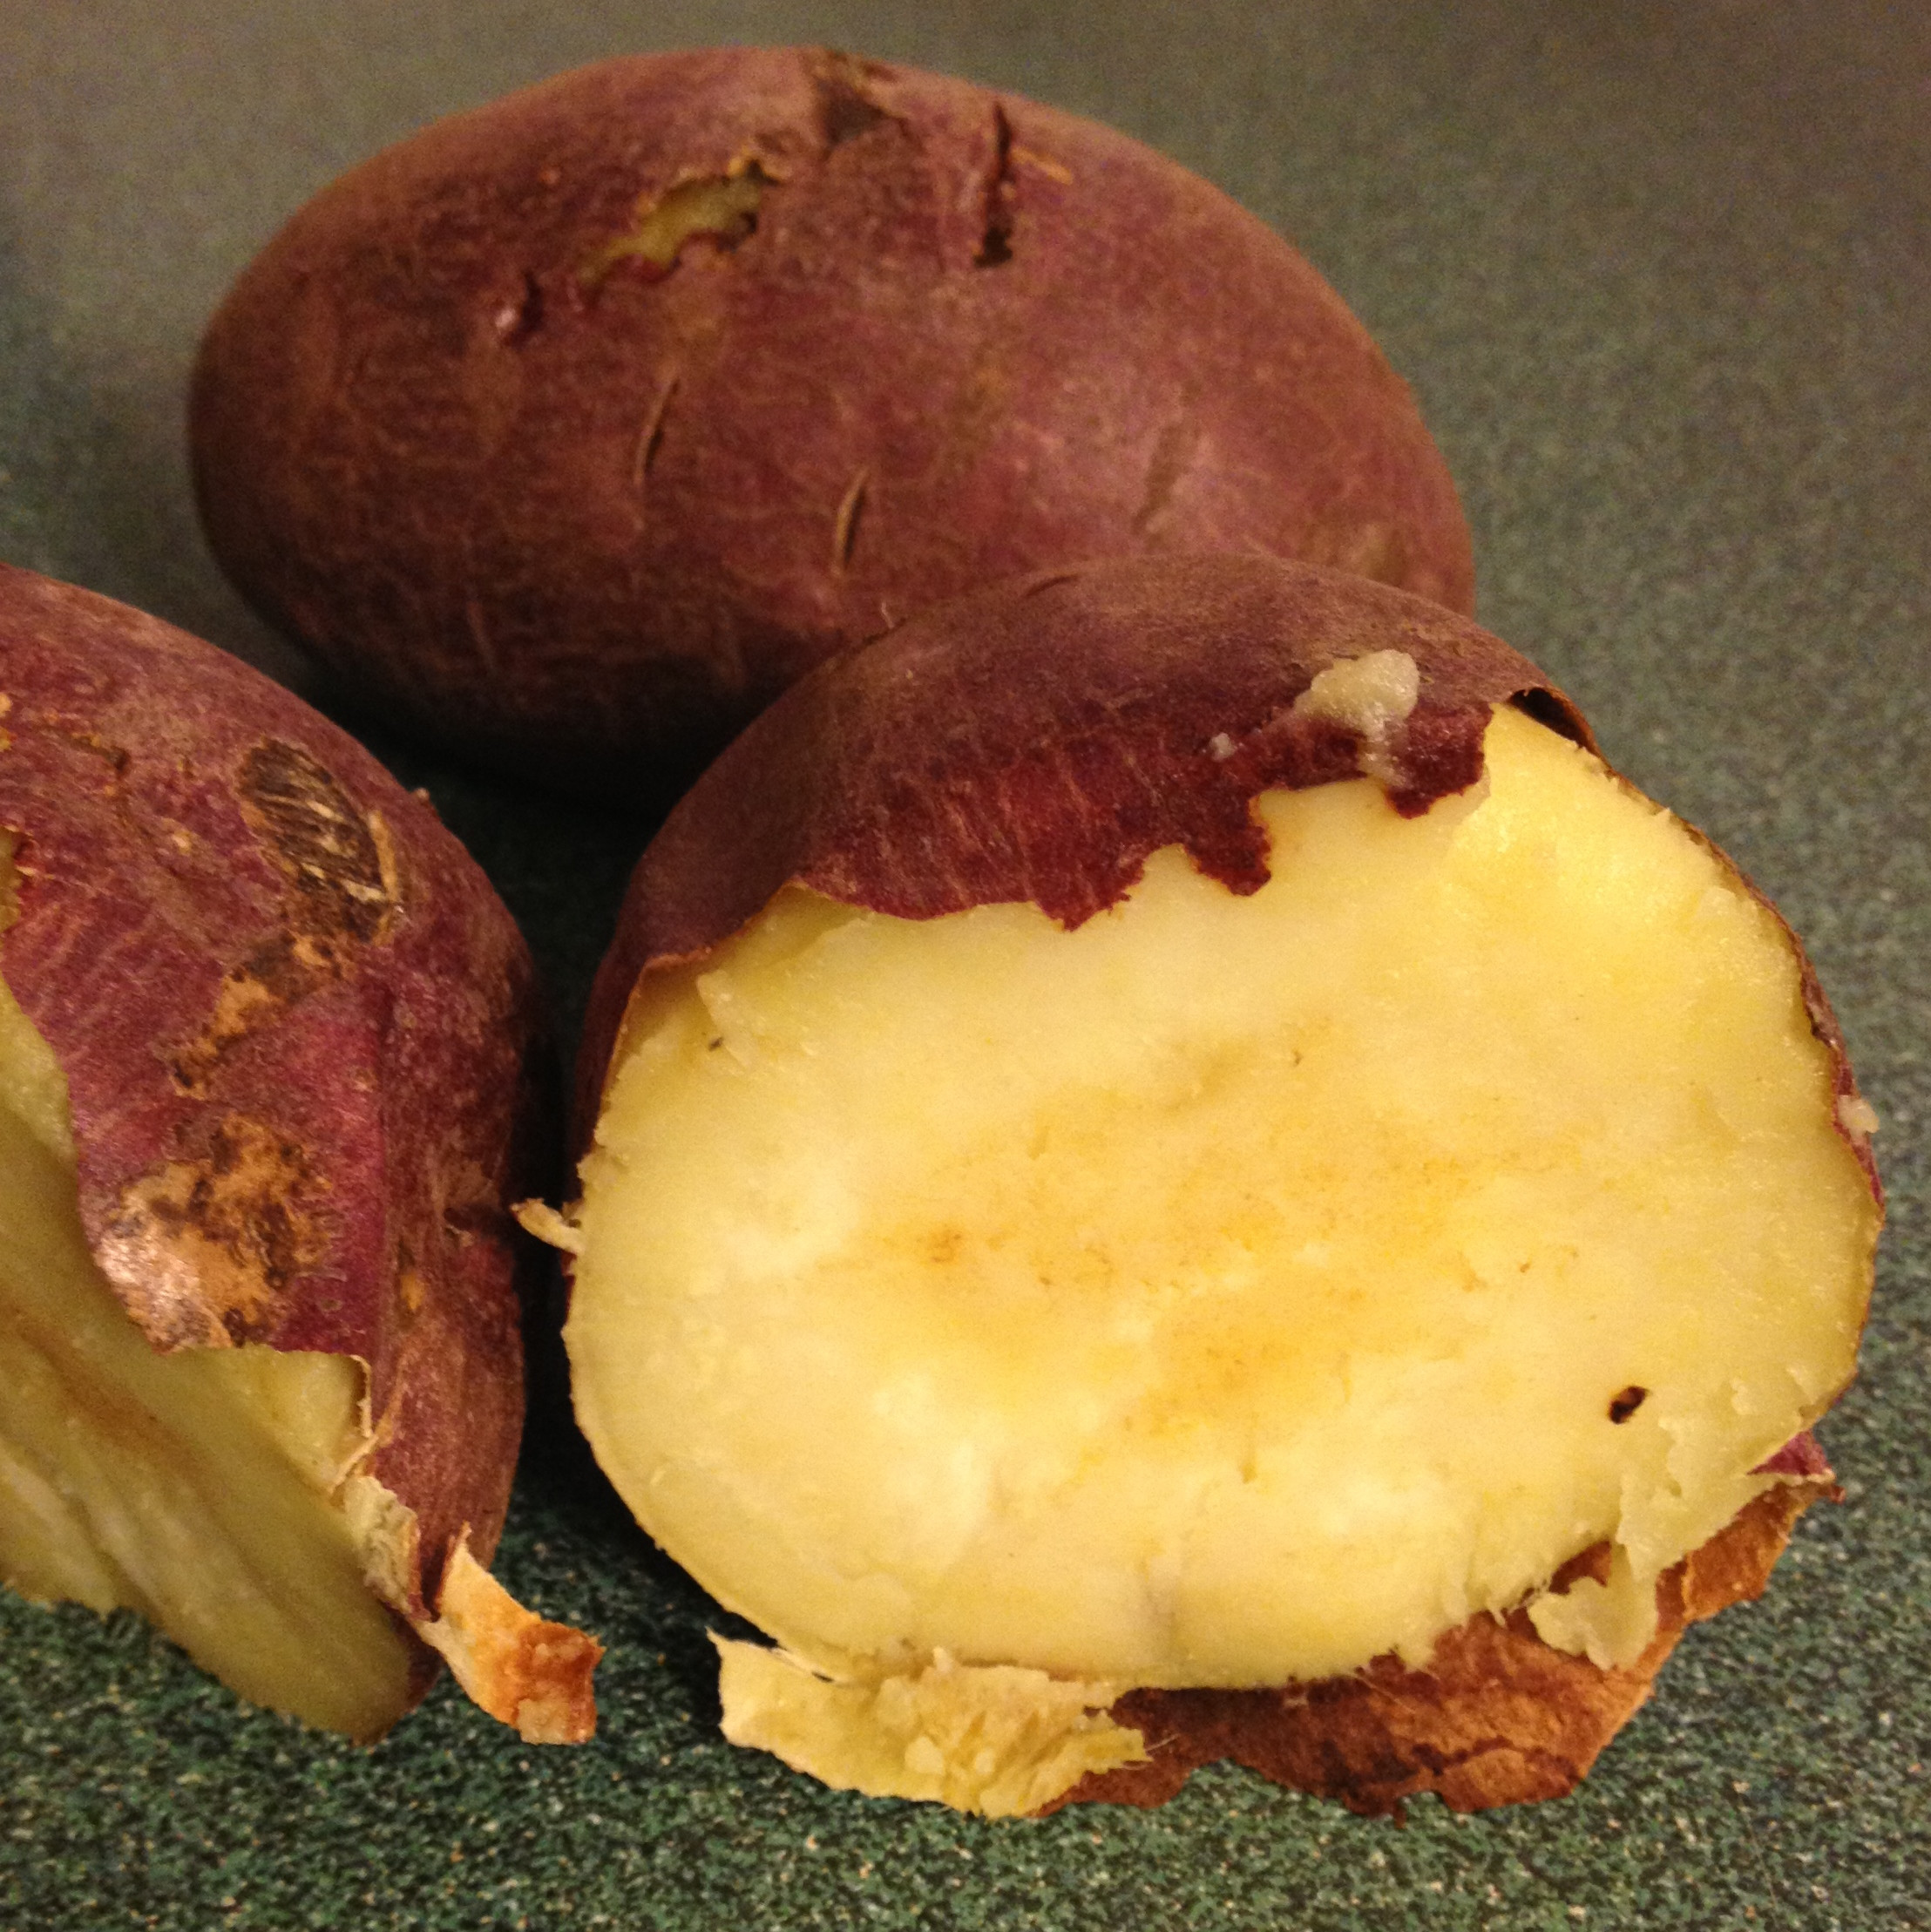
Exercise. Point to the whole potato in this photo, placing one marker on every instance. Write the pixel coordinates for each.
(573, 429)
(268, 1057)
(1176, 1169)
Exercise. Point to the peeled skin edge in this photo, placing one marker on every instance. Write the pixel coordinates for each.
(860, 1378)
(217, 1493)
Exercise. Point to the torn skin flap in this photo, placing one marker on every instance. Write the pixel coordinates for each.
(520, 1668)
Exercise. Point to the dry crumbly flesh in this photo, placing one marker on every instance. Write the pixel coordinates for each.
(1095, 1301)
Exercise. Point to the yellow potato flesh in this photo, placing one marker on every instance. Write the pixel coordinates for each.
(1231, 1289)
(200, 1489)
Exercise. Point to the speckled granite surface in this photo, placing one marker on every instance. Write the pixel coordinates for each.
(1659, 277)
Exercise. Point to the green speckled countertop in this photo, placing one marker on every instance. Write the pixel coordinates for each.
(1659, 274)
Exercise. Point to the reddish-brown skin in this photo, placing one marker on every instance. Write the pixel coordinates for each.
(585, 520)
(1038, 742)
(297, 1027)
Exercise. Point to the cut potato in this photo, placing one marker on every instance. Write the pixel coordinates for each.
(195, 1488)
(266, 1048)
(1215, 1289)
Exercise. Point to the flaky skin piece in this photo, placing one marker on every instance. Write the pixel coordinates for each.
(300, 1039)
(577, 427)
(952, 765)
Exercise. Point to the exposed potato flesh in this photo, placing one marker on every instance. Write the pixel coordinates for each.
(1229, 1291)
(199, 1489)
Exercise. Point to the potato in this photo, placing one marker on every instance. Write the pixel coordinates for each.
(573, 429)
(266, 1062)
(1180, 1169)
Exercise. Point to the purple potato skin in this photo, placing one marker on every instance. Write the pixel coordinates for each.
(1036, 742)
(299, 1034)
(583, 518)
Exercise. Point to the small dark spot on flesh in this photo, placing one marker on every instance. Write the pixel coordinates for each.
(716, 1043)
(1546, 710)
(1623, 1407)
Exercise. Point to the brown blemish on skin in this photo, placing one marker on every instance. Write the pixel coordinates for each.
(718, 209)
(270, 979)
(1623, 1407)
(340, 861)
(844, 525)
(341, 867)
(201, 1249)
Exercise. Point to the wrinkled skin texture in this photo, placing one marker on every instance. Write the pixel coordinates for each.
(299, 1034)
(582, 513)
(1036, 742)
